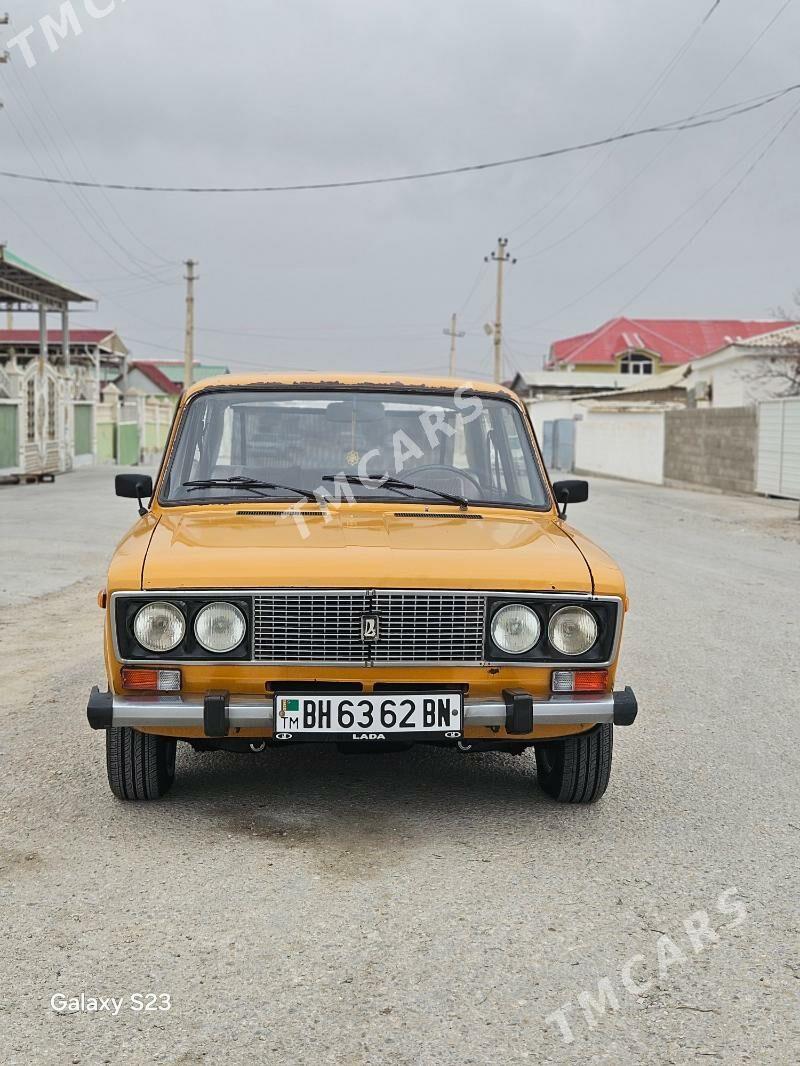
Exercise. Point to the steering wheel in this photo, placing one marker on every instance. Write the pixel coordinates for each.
(449, 470)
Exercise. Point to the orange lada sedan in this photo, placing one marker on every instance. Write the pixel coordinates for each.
(369, 562)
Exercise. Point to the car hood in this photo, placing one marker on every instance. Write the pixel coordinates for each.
(208, 548)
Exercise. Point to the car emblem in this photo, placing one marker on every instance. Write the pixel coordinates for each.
(370, 628)
(452, 735)
(283, 736)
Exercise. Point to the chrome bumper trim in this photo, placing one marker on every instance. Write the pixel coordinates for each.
(246, 712)
(172, 711)
(558, 710)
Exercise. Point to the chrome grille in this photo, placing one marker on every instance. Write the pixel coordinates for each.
(315, 627)
(430, 627)
(320, 627)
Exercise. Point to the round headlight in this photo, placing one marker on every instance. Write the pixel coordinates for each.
(515, 629)
(220, 627)
(159, 626)
(572, 630)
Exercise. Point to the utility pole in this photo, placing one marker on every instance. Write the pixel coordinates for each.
(5, 20)
(501, 257)
(188, 358)
(452, 333)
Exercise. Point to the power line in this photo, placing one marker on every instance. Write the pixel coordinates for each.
(214, 358)
(112, 206)
(67, 205)
(34, 120)
(43, 240)
(589, 173)
(139, 291)
(311, 333)
(511, 356)
(747, 52)
(666, 229)
(709, 118)
(653, 159)
(127, 277)
(710, 218)
(64, 168)
(482, 272)
(714, 7)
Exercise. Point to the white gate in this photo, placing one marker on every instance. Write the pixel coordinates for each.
(46, 420)
(779, 448)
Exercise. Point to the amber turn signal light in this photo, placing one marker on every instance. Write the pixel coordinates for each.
(151, 680)
(580, 681)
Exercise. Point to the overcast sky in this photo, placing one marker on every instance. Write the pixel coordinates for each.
(304, 90)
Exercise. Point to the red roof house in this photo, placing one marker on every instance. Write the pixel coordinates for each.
(647, 345)
(106, 340)
(156, 377)
(164, 377)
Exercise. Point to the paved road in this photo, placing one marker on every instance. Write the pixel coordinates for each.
(304, 907)
(58, 534)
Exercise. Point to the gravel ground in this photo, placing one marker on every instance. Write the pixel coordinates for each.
(305, 907)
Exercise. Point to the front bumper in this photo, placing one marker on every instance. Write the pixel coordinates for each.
(219, 714)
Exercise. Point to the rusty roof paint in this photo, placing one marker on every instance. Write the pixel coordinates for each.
(326, 380)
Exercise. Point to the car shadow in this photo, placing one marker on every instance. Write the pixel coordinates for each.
(318, 774)
(354, 818)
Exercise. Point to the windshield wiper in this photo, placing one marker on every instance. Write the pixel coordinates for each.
(249, 484)
(388, 482)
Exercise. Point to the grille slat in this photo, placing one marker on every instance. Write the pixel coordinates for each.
(318, 627)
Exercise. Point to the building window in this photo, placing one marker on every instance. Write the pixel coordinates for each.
(636, 363)
(31, 411)
(51, 410)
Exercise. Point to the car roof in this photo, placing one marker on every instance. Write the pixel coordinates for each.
(332, 379)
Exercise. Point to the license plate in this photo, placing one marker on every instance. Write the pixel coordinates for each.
(379, 717)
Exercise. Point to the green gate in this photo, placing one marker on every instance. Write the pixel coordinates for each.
(128, 444)
(9, 441)
(106, 441)
(83, 428)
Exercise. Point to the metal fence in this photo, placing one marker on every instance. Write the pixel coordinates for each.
(558, 444)
(778, 469)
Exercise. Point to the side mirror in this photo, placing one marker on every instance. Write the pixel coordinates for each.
(134, 487)
(570, 492)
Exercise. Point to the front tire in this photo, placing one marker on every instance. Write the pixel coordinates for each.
(140, 766)
(576, 769)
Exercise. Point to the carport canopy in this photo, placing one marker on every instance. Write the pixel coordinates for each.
(21, 283)
(25, 287)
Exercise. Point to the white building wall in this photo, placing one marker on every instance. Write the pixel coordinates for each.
(542, 411)
(729, 385)
(737, 382)
(624, 444)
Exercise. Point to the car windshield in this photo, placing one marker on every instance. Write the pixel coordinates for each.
(289, 443)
